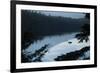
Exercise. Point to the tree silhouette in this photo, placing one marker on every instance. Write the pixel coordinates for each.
(87, 16)
(84, 34)
(85, 31)
(36, 56)
(40, 53)
(75, 55)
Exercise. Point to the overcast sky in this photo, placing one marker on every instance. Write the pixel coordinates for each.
(64, 14)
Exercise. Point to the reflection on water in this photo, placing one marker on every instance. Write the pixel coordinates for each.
(51, 40)
(50, 47)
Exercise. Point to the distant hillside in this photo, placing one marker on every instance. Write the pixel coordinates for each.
(40, 24)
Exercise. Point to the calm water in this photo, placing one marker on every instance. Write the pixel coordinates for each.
(51, 40)
(57, 45)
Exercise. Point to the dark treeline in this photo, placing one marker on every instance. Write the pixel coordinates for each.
(74, 55)
(41, 24)
(36, 25)
(37, 55)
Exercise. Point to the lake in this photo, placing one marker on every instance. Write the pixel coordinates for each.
(50, 47)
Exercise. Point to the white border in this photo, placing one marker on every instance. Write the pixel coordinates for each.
(20, 65)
